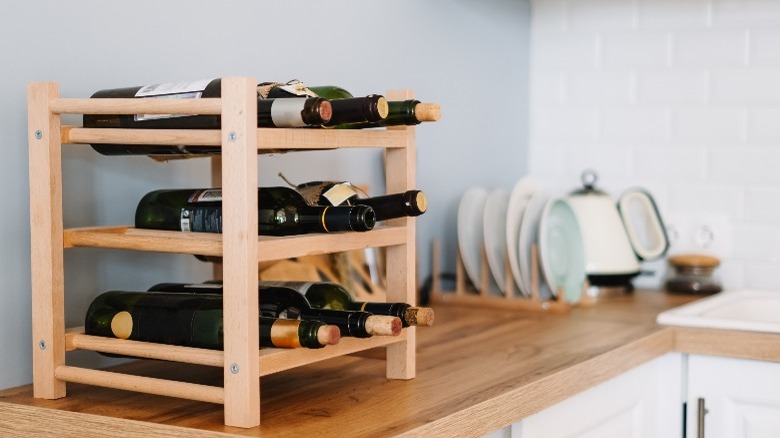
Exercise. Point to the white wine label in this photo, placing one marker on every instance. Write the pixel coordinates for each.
(208, 195)
(175, 90)
(286, 112)
(339, 193)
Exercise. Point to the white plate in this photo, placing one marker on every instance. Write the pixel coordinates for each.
(529, 236)
(494, 229)
(521, 194)
(470, 237)
(561, 250)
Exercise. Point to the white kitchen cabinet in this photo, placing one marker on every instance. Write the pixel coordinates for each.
(742, 397)
(643, 402)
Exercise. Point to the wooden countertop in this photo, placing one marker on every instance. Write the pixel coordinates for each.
(477, 370)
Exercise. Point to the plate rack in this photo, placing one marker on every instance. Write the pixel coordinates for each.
(468, 294)
(236, 169)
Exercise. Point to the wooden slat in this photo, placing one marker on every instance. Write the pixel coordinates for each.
(272, 360)
(399, 177)
(147, 385)
(239, 252)
(206, 105)
(270, 248)
(48, 317)
(193, 137)
(268, 139)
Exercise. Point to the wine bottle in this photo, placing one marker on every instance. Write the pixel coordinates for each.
(337, 193)
(281, 113)
(399, 112)
(283, 302)
(281, 211)
(191, 320)
(346, 108)
(326, 295)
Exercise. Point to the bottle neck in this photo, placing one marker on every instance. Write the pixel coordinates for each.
(409, 203)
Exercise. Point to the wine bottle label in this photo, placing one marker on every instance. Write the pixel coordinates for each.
(287, 113)
(176, 90)
(293, 88)
(202, 219)
(340, 193)
(208, 195)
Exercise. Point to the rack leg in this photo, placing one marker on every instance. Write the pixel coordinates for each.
(240, 303)
(48, 317)
(400, 165)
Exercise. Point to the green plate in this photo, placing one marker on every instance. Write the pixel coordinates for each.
(561, 250)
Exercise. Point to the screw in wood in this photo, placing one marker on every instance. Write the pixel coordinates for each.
(38, 134)
(234, 368)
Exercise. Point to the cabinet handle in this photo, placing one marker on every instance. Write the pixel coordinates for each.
(701, 412)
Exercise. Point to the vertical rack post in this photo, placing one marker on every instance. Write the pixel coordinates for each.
(239, 252)
(400, 173)
(46, 250)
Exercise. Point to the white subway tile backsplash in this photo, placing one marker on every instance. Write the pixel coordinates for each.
(673, 14)
(602, 15)
(763, 126)
(745, 86)
(709, 48)
(762, 204)
(764, 47)
(741, 13)
(708, 125)
(682, 96)
(564, 124)
(599, 87)
(705, 199)
(745, 165)
(671, 86)
(635, 50)
(669, 163)
(563, 51)
(635, 126)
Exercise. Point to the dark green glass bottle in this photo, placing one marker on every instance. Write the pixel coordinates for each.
(286, 113)
(390, 206)
(191, 320)
(326, 295)
(284, 302)
(402, 112)
(281, 211)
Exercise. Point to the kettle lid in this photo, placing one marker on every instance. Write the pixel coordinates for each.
(588, 178)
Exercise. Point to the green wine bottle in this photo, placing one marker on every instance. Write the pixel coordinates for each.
(326, 295)
(390, 206)
(271, 113)
(284, 302)
(320, 295)
(191, 320)
(281, 211)
(402, 112)
(346, 108)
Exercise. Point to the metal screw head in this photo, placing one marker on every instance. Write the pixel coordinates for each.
(234, 368)
(38, 134)
(232, 136)
(42, 344)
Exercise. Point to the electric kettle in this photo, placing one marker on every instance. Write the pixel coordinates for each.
(616, 236)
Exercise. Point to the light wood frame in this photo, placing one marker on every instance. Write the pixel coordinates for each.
(236, 168)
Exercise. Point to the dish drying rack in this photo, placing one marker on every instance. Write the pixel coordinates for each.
(468, 294)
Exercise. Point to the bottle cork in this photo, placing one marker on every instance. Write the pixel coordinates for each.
(427, 112)
(419, 316)
(122, 325)
(328, 335)
(381, 325)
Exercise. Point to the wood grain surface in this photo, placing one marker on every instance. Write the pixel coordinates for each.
(477, 370)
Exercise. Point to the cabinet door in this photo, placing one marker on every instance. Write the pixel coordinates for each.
(643, 402)
(742, 397)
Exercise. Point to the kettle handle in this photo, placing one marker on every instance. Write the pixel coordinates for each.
(643, 224)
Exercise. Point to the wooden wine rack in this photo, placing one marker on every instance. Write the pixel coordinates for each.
(236, 169)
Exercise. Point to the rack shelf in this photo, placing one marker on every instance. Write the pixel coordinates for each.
(235, 170)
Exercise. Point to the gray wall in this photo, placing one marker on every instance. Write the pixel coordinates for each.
(471, 57)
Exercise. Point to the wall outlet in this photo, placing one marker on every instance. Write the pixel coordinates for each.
(703, 234)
